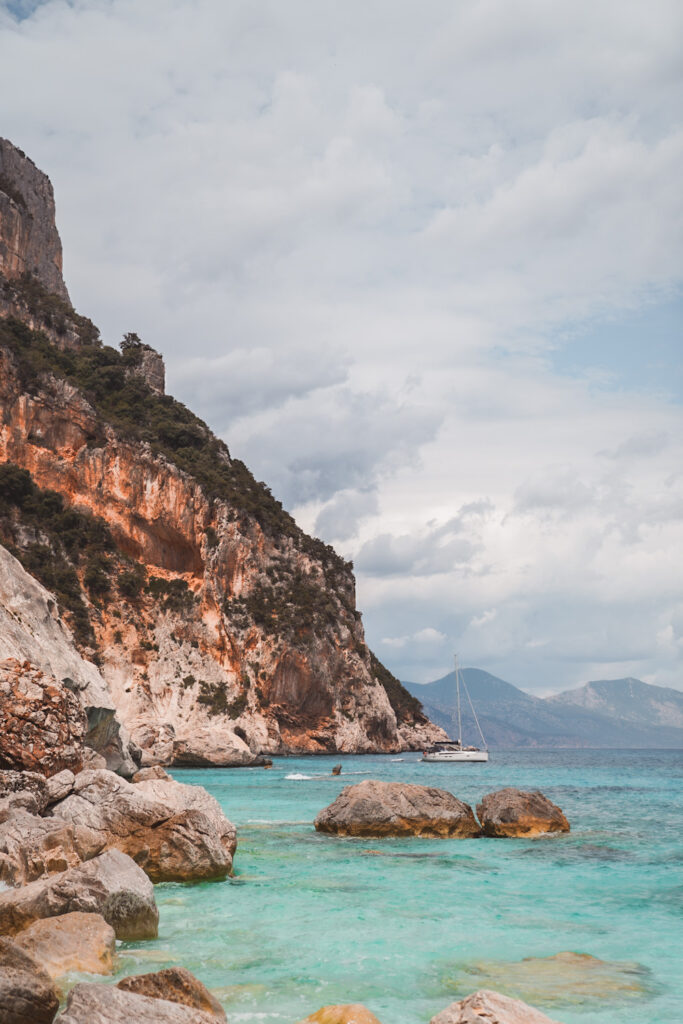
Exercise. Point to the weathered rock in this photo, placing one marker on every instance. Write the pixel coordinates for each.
(32, 847)
(373, 808)
(485, 1007)
(27, 994)
(29, 242)
(31, 629)
(42, 724)
(563, 978)
(513, 812)
(148, 774)
(110, 884)
(177, 985)
(70, 942)
(171, 838)
(345, 1013)
(25, 791)
(60, 785)
(213, 748)
(182, 797)
(92, 761)
(104, 1004)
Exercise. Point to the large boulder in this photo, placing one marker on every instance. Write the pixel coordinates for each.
(27, 994)
(344, 1013)
(70, 942)
(513, 812)
(182, 797)
(373, 808)
(42, 724)
(110, 884)
(31, 847)
(170, 835)
(485, 1007)
(178, 985)
(26, 791)
(104, 1004)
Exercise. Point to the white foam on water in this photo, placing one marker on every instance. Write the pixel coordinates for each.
(298, 776)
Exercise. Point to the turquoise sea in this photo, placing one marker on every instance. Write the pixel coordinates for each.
(407, 926)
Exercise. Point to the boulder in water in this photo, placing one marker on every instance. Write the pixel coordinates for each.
(70, 942)
(173, 835)
(104, 1004)
(178, 985)
(345, 1013)
(372, 808)
(27, 994)
(512, 813)
(485, 1007)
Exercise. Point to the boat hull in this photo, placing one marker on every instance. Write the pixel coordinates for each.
(457, 756)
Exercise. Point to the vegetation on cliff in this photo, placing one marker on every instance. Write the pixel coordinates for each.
(404, 704)
(137, 413)
(54, 544)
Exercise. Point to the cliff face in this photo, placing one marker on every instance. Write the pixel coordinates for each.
(29, 242)
(221, 630)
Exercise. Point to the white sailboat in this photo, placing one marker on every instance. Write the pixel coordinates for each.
(453, 750)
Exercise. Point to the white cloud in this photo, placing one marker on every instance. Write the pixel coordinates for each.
(360, 233)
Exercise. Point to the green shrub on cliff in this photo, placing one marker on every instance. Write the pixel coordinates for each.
(137, 413)
(405, 706)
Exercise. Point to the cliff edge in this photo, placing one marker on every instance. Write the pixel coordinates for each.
(221, 630)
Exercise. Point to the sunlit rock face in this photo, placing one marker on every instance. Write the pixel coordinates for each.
(29, 241)
(242, 637)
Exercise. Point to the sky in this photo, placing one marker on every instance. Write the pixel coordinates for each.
(420, 265)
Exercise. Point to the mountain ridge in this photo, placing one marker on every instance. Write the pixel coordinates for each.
(587, 716)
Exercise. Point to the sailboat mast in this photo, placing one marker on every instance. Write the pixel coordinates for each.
(457, 687)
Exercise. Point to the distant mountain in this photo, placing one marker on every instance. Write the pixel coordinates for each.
(608, 713)
(627, 699)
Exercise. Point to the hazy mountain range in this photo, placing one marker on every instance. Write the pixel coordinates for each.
(606, 713)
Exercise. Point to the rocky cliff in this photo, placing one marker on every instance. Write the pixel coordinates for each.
(29, 241)
(221, 630)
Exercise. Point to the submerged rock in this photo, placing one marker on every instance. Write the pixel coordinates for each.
(485, 1007)
(344, 1013)
(70, 942)
(372, 808)
(178, 985)
(111, 885)
(27, 994)
(32, 847)
(512, 813)
(104, 1004)
(563, 979)
(173, 835)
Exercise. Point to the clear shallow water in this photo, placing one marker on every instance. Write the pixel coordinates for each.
(311, 919)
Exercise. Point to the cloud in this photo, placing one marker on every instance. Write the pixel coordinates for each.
(362, 262)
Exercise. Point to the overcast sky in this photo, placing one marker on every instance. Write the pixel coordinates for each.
(420, 265)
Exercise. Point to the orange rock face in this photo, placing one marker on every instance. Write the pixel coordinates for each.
(42, 724)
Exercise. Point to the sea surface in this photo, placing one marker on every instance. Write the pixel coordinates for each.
(407, 926)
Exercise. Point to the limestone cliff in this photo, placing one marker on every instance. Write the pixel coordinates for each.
(219, 627)
(29, 242)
